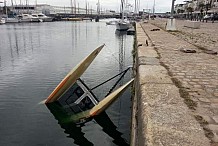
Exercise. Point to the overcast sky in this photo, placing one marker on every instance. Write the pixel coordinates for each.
(160, 5)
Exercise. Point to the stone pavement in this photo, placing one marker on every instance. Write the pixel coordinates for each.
(161, 117)
(205, 37)
(195, 74)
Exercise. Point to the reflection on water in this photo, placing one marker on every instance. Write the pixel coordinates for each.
(75, 131)
(33, 60)
(121, 35)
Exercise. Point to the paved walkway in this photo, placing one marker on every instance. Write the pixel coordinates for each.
(195, 74)
(206, 36)
(161, 117)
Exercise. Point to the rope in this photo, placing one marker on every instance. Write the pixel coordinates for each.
(123, 72)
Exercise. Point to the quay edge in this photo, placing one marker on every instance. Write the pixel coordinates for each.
(159, 115)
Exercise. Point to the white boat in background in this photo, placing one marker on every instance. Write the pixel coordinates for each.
(2, 21)
(24, 18)
(35, 18)
(44, 18)
(111, 22)
(29, 18)
(122, 25)
(12, 20)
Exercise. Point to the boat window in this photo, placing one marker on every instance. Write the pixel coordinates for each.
(71, 95)
(40, 15)
(79, 92)
(86, 104)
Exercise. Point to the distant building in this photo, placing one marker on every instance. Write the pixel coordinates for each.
(48, 9)
(52, 10)
(197, 6)
(179, 8)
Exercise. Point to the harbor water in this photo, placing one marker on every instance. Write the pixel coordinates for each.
(35, 57)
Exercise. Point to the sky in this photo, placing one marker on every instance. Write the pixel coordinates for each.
(160, 5)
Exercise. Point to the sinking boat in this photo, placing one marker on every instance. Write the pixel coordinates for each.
(74, 97)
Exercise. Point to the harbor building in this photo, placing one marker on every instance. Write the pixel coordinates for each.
(197, 6)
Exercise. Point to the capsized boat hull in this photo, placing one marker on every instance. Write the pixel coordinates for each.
(66, 116)
(72, 76)
(107, 101)
(102, 105)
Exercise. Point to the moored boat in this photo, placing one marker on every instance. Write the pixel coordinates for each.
(43, 17)
(2, 21)
(122, 25)
(35, 18)
(24, 18)
(111, 22)
(29, 18)
(12, 20)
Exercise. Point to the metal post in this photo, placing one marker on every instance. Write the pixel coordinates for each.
(172, 9)
(75, 7)
(153, 10)
(171, 23)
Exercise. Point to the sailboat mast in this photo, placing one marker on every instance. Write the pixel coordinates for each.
(98, 8)
(122, 6)
(71, 4)
(75, 6)
(78, 7)
(12, 4)
(86, 7)
(27, 7)
(6, 9)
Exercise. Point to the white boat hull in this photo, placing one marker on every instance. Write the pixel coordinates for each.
(2, 21)
(49, 19)
(12, 20)
(122, 26)
(42, 17)
(111, 23)
(36, 20)
(25, 20)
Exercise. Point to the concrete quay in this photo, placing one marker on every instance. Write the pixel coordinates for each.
(176, 93)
